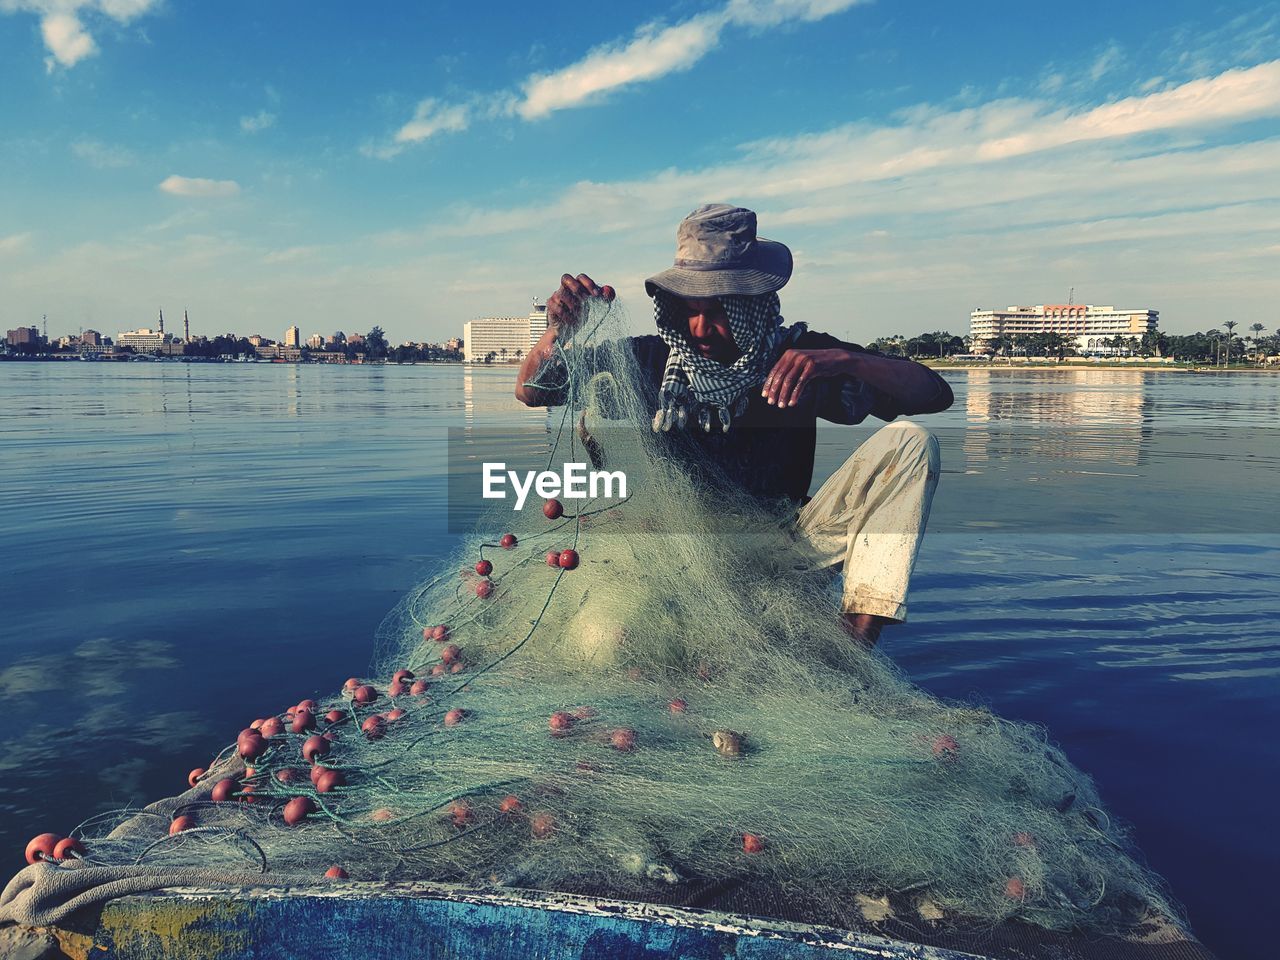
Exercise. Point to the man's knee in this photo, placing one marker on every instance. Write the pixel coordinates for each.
(913, 443)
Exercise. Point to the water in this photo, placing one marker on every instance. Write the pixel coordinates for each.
(186, 547)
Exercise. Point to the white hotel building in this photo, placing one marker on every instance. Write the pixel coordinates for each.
(507, 338)
(1090, 326)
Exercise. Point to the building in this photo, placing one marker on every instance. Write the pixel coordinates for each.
(91, 338)
(23, 336)
(507, 338)
(453, 343)
(292, 337)
(316, 341)
(143, 340)
(1091, 327)
(537, 322)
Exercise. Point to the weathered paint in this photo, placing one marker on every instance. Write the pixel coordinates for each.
(376, 921)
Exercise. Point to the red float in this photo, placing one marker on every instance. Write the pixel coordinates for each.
(441, 633)
(553, 558)
(451, 654)
(418, 689)
(329, 779)
(194, 776)
(395, 714)
(678, 705)
(752, 843)
(364, 694)
(271, 727)
(460, 813)
(508, 541)
(375, 728)
(288, 775)
(314, 747)
(335, 873)
(336, 716)
(252, 747)
(178, 824)
(66, 846)
(454, 717)
(402, 675)
(510, 804)
(484, 589)
(307, 704)
(438, 670)
(396, 688)
(42, 846)
(303, 721)
(946, 747)
(542, 825)
(381, 815)
(560, 723)
(484, 568)
(568, 559)
(224, 790)
(553, 509)
(624, 739)
(351, 684)
(1015, 889)
(298, 809)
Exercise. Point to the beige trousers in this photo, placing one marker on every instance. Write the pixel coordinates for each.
(870, 516)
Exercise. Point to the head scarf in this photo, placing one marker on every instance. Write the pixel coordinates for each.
(696, 387)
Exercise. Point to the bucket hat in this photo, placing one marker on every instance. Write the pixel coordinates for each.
(718, 254)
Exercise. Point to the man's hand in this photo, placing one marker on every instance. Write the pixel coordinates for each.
(796, 368)
(564, 307)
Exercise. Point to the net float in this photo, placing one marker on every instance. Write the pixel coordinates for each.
(381, 815)
(257, 723)
(560, 722)
(553, 509)
(728, 743)
(178, 824)
(438, 670)
(271, 727)
(223, 790)
(484, 568)
(508, 541)
(484, 589)
(336, 716)
(329, 779)
(288, 775)
(316, 771)
(66, 846)
(298, 809)
(624, 739)
(194, 776)
(542, 825)
(510, 804)
(458, 666)
(440, 633)
(374, 728)
(42, 846)
(335, 873)
(396, 688)
(568, 559)
(303, 721)
(451, 653)
(402, 675)
(395, 714)
(330, 736)
(418, 689)
(1015, 889)
(308, 705)
(315, 746)
(553, 558)
(252, 747)
(454, 717)
(751, 843)
(945, 747)
(1024, 839)
(460, 813)
(678, 705)
(249, 772)
(364, 694)
(247, 792)
(351, 684)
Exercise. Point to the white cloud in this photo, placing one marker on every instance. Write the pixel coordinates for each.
(66, 39)
(14, 243)
(104, 156)
(258, 122)
(199, 187)
(655, 50)
(62, 23)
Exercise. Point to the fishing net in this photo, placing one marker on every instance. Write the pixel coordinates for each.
(672, 702)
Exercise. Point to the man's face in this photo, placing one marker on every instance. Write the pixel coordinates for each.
(709, 331)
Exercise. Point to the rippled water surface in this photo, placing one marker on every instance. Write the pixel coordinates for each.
(188, 546)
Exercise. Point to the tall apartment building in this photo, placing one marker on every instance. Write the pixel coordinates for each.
(23, 336)
(1088, 325)
(507, 338)
(292, 337)
(143, 340)
(537, 322)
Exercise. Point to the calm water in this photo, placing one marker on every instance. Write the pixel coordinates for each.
(185, 547)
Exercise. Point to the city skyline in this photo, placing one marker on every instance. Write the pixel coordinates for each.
(282, 165)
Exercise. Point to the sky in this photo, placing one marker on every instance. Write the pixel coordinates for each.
(414, 166)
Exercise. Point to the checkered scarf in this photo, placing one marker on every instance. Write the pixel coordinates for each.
(696, 387)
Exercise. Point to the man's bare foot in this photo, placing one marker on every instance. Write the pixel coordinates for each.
(863, 627)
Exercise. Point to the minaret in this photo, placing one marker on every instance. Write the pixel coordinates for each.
(186, 328)
(162, 322)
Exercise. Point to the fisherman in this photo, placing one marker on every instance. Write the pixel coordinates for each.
(747, 392)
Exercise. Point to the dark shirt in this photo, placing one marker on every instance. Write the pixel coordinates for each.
(768, 451)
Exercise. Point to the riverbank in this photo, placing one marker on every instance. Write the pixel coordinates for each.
(1051, 365)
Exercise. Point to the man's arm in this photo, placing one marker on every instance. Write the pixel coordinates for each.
(564, 311)
(912, 386)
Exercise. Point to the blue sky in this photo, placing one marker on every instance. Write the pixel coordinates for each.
(265, 164)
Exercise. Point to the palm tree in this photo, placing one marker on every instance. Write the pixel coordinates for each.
(1257, 328)
(1230, 325)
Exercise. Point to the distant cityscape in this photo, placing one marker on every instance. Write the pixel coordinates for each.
(1044, 330)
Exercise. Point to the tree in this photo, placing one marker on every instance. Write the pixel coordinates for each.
(375, 344)
(1257, 328)
(1230, 325)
